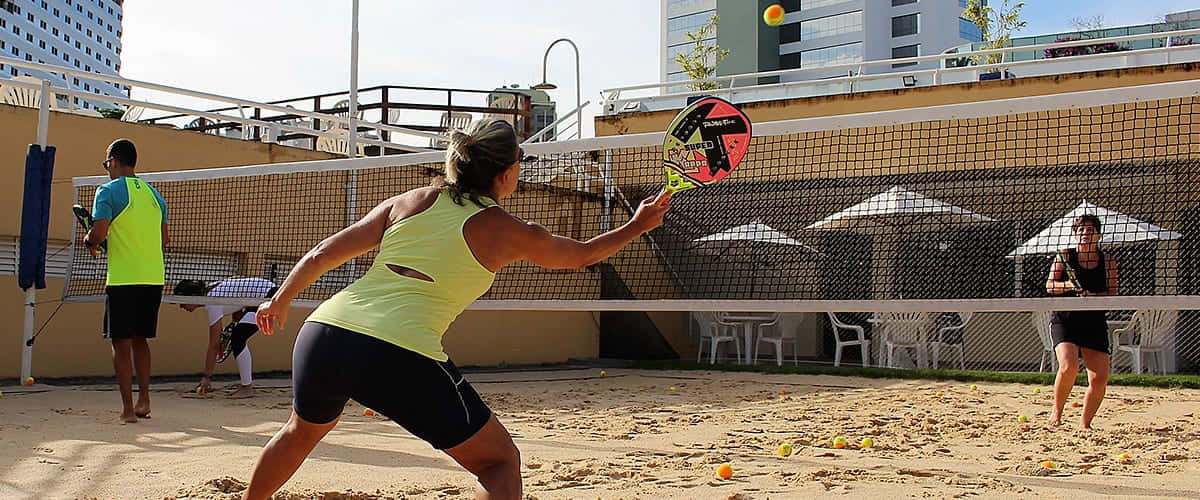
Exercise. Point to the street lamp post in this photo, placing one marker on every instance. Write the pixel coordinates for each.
(546, 85)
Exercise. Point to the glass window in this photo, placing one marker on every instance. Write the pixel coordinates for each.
(849, 22)
(789, 33)
(840, 54)
(905, 25)
(813, 4)
(679, 27)
(789, 61)
(905, 51)
(967, 30)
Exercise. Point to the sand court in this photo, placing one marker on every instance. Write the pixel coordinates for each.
(626, 434)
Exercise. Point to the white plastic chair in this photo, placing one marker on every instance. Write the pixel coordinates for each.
(1041, 323)
(859, 339)
(23, 96)
(940, 340)
(1149, 331)
(337, 145)
(904, 330)
(133, 113)
(716, 331)
(451, 121)
(777, 332)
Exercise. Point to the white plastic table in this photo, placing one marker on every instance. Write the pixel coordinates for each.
(748, 320)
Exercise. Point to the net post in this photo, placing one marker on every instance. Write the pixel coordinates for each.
(606, 174)
(43, 131)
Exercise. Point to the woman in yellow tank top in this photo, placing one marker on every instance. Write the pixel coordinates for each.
(439, 248)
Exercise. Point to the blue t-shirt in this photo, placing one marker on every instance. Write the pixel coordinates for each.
(113, 197)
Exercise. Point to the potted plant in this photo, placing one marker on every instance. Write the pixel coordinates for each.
(996, 27)
(703, 60)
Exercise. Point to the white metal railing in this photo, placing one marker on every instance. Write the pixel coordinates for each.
(271, 127)
(613, 102)
(537, 137)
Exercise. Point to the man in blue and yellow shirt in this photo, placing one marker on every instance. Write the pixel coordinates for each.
(132, 216)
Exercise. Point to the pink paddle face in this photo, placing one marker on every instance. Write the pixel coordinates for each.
(705, 142)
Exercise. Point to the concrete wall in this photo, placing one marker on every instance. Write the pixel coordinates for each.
(840, 104)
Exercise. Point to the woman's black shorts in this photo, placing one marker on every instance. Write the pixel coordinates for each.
(430, 399)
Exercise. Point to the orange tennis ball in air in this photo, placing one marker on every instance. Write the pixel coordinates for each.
(773, 16)
(724, 471)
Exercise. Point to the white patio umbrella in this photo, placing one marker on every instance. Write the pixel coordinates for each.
(754, 232)
(890, 213)
(1116, 229)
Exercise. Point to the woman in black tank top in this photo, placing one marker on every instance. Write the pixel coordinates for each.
(1081, 272)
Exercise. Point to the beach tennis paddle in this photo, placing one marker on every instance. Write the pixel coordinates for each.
(1068, 270)
(84, 217)
(225, 344)
(705, 142)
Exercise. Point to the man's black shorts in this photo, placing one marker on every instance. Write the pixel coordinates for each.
(131, 311)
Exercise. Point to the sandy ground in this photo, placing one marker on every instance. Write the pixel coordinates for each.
(626, 435)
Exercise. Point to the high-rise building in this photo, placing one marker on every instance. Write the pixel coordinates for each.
(79, 34)
(815, 33)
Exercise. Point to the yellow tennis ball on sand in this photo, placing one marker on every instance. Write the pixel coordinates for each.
(773, 16)
(1048, 464)
(974, 387)
(839, 442)
(603, 373)
(28, 380)
(724, 471)
(1037, 390)
(1124, 457)
(867, 443)
(785, 449)
(1022, 419)
(672, 388)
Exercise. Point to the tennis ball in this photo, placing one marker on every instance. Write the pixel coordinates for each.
(1074, 404)
(866, 443)
(603, 373)
(368, 412)
(1, 394)
(839, 442)
(672, 389)
(1037, 390)
(724, 471)
(1124, 457)
(1022, 419)
(28, 380)
(939, 394)
(974, 387)
(1048, 464)
(781, 391)
(773, 16)
(785, 449)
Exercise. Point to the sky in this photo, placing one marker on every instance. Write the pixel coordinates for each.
(267, 50)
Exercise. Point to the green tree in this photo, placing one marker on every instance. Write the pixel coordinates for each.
(703, 60)
(996, 26)
(114, 113)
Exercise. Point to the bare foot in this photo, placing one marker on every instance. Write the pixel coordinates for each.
(128, 417)
(142, 409)
(1056, 420)
(244, 391)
